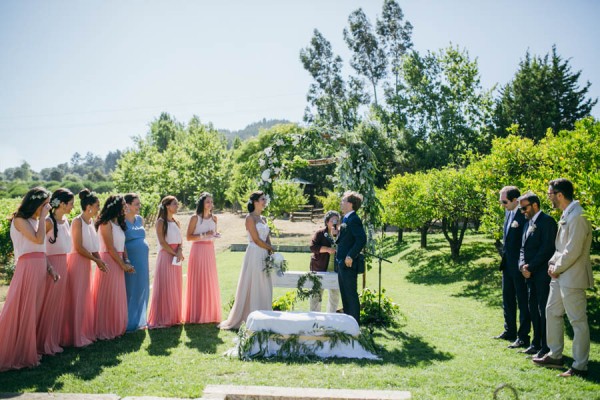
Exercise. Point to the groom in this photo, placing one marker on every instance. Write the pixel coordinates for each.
(351, 241)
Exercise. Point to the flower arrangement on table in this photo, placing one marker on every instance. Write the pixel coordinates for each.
(275, 262)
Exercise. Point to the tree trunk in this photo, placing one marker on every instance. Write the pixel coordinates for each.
(400, 232)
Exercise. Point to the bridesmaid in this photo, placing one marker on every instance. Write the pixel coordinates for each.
(58, 245)
(136, 285)
(18, 319)
(203, 297)
(165, 306)
(78, 329)
(109, 288)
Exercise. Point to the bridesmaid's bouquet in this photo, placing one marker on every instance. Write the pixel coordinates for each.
(275, 262)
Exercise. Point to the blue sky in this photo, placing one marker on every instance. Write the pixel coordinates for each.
(79, 76)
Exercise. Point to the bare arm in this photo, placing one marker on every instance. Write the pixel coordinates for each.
(107, 236)
(36, 236)
(78, 244)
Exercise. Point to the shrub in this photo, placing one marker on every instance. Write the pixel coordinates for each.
(371, 315)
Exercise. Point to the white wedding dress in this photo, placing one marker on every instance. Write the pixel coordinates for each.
(255, 288)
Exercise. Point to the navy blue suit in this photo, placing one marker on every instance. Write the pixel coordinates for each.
(514, 287)
(536, 251)
(351, 241)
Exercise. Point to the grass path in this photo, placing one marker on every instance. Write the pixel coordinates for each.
(441, 350)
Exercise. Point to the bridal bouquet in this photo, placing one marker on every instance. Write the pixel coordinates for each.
(275, 262)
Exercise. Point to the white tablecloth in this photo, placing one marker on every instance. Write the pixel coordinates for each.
(329, 280)
(303, 324)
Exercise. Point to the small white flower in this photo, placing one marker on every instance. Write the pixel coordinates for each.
(266, 175)
(268, 151)
(279, 142)
(296, 140)
(276, 170)
(515, 224)
(261, 162)
(55, 203)
(531, 229)
(277, 259)
(362, 181)
(268, 198)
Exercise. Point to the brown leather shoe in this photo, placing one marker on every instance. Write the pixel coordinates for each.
(573, 372)
(548, 361)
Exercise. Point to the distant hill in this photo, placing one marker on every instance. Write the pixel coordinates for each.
(252, 129)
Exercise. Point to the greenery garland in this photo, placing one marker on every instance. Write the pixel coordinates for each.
(315, 291)
(291, 346)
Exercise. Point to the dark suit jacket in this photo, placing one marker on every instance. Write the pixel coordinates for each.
(512, 245)
(318, 260)
(352, 239)
(539, 246)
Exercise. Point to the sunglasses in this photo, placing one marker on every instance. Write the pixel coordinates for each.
(525, 207)
(504, 202)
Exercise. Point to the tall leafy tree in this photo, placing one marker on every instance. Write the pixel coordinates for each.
(368, 57)
(332, 101)
(448, 111)
(395, 35)
(545, 93)
(163, 130)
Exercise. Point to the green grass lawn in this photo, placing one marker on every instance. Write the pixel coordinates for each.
(442, 348)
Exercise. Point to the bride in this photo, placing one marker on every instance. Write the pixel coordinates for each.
(254, 289)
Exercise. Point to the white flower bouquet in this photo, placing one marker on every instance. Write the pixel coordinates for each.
(275, 262)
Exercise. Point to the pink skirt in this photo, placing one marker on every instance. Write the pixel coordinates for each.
(165, 306)
(203, 297)
(18, 319)
(50, 323)
(110, 299)
(78, 326)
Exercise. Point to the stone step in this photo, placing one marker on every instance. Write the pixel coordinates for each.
(232, 392)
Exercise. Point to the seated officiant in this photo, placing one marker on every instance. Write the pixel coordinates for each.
(323, 247)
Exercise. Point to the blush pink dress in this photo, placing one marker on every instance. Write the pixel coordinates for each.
(19, 316)
(202, 302)
(110, 296)
(53, 309)
(165, 304)
(78, 327)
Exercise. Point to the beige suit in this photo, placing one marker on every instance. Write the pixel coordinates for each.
(571, 261)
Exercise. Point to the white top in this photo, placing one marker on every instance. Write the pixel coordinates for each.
(63, 242)
(23, 245)
(173, 233)
(118, 239)
(89, 236)
(204, 225)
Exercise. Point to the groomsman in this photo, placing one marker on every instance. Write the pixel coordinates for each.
(514, 288)
(571, 271)
(538, 246)
(350, 243)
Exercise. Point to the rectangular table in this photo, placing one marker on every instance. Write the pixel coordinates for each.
(329, 280)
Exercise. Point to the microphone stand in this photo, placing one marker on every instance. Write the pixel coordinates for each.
(381, 259)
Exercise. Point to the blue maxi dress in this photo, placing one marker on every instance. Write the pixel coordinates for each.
(137, 284)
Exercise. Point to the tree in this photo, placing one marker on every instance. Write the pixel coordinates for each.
(456, 201)
(163, 130)
(332, 102)
(395, 36)
(23, 173)
(448, 111)
(368, 58)
(110, 161)
(544, 94)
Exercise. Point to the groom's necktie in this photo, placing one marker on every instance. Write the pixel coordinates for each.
(344, 220)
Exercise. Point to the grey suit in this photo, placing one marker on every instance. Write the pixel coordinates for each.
(571, 261)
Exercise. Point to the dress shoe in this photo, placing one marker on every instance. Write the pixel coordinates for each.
(517, 344)
(548, 361)
(505, 336)
(530, 350)
(541, 353)
(573, 372)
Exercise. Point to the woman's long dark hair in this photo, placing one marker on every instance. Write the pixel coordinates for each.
(254, 197)
(87, 198)
(113, 208)
(32, 200)
(200, 206)
(163, 214)
(64, 196)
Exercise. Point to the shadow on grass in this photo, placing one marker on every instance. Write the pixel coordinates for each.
(163, 340)
(203, 337)
(84, 363)
(407, 351)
